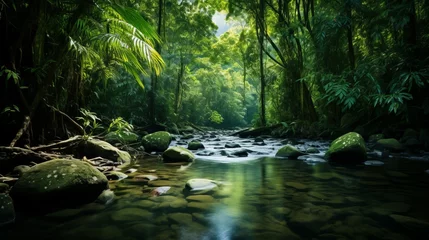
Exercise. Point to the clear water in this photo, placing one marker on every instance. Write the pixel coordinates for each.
(260, 198)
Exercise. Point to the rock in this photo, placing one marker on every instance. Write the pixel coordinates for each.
(232, 145)
(19, 170)
(187, 136)
(177, 154)
(199, 206)
(131, 214)
(156, 142)
(106, 197)
(396, 207)
(200, 198)
(308, 221)
(114, 175)
(390, 144)
(58, 183)
(349, 148)
(172, 128)
(121, 137)
(131, 170)
(297, 185)
(259, 140)
(374, 163)
(239, 153)
(410, 223)
(4, 188)
(375, 137)
(290, 152)
(7, 211)
(427, 171)
(179, 203)
(160, 191)
(195, 145)
(147, 177)
(280, 212)
(312, 150)
(205, 153)
(98, 148)
(180, 218)
(200, 184)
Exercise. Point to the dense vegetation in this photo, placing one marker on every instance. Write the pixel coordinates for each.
(311, 65)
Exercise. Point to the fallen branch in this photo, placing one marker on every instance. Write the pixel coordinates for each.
(77, 125)
(60, 146)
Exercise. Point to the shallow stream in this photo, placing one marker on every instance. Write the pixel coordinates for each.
(258, 197)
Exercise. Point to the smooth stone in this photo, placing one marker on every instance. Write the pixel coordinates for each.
(199, 206)
(179, 203)
(177, 154)
(106, 197)
(232, 145)
(158, 141)
(160, 191)
(317, 195)
(239, 153)
(114, 175)
(280, 212)
(200, 198)
(140, 229)
(312, 150)
(147, 177)
(200, 218)
(180, 218)
(4, 188)
(314, 160)
(198, 184)
(131, 170)
(144, 204)
(309, 220)
(205, 153)
(289, 151)
(164, 199)
(349, 148)
(297, 186)
(195, 145)
(161, 183)
(7, 211)
(411, 223)
(131, 214)
(324, 175)
(374, 163)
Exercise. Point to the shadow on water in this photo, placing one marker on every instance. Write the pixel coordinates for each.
(267, 198)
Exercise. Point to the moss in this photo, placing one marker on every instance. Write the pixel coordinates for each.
(158, 141)
(349, 148)
(390, 144)
(178, 154)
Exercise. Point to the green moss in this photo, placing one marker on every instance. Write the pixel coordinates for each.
(348, 148)
(389, 144)
(158, 141)
(178, 154)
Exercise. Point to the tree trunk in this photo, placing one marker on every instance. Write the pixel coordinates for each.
(261, 59)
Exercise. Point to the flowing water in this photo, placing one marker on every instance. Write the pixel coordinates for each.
(258, 197)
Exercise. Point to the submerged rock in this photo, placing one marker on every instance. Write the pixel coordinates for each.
(7, 211)
(308, 220)
(177, 154)
(289, 151)
(349, 148)
(114, 175)
(58, 183)
(239, 153)
(374, 163)
(411, 223)
(201, 184)
(390, 144)
(106, 197)
(156, 142)
(232, 145)
(312, 150)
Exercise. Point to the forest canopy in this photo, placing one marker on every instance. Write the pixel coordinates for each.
(313, 66)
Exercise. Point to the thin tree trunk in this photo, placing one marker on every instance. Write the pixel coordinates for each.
(261, 59)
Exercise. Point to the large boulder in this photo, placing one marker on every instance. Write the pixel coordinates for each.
(390, 144)
(7, 211)
(289, 151)
(349, 148)
(98, 148)
(58, 183)
(178, 154)
(156, 142)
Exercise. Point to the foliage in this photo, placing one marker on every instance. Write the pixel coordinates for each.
(215, 117)
(122, 131)
(90, 122)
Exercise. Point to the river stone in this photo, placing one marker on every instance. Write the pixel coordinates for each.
(199, 206)
(7, 211)
(297, 185)
(390, 144)
(280, 212)
(178, 203)
(187, 136)
(205, 153)
(106, 197)
(232, 145)
(411, 223)
(324, 175)
(289, 151)
(177, 154)
(181, 218)
(98, 148)
(374, 163)
(200, 198)
(58, 183)
(4, 187)
(349, 148)
(114, 175)
(199, 184)
(195, 145)
(239, 153)
(396, 207)
(144, 204)
(156, 142)
(312, 150)
(20, 169)
(309, 220)
(147, 177)
(131, 214)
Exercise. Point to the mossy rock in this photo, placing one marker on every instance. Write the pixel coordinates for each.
(178, 154)
(156, 142)
(121, 136)
(7, 211)
(4, 188)
(58, 183)
(195, 145)
(98, 148)
(390, 144)
(349, 148)
(289, 151)
(374, 138)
